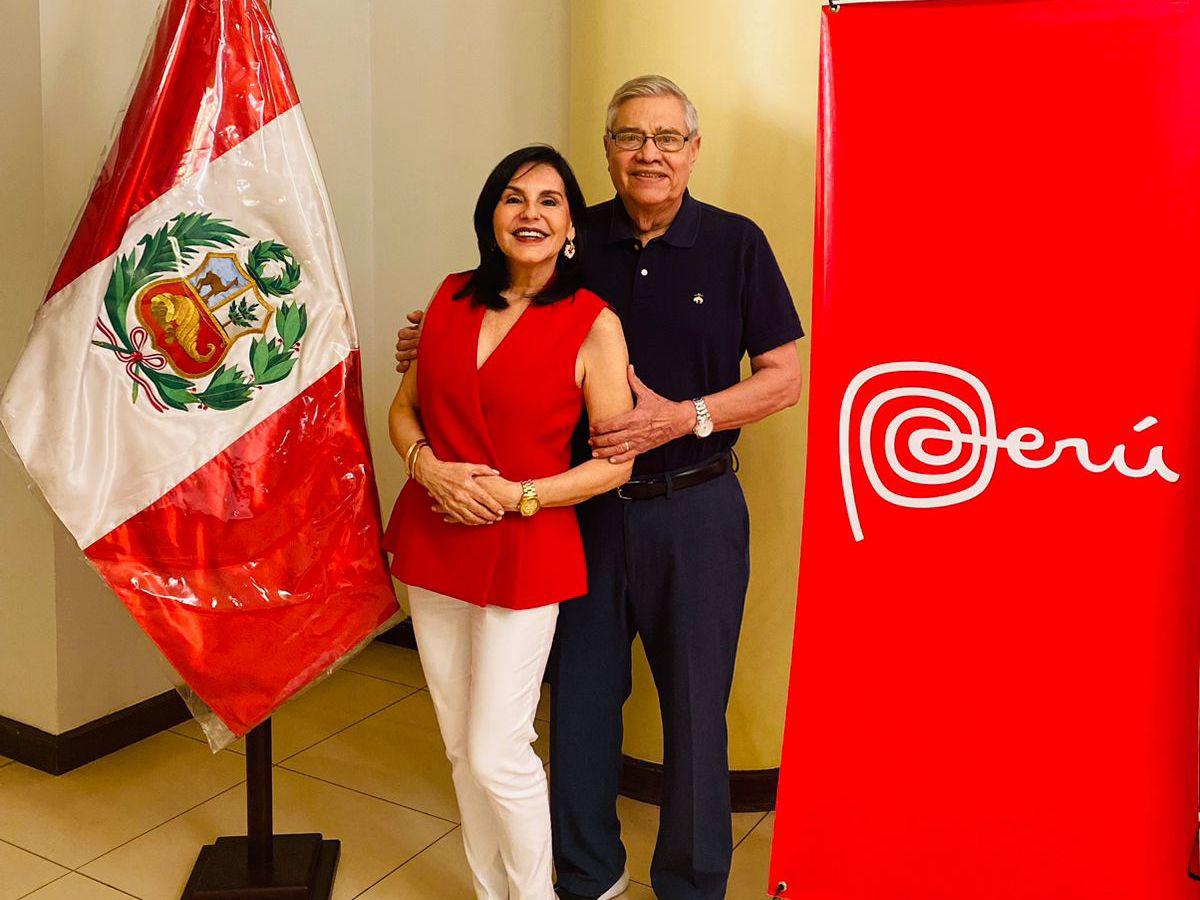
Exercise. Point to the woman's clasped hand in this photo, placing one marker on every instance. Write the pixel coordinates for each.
(466, 493)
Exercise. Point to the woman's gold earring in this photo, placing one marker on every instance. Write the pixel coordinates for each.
(569, 250)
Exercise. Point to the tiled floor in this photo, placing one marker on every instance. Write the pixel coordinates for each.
(358, 758)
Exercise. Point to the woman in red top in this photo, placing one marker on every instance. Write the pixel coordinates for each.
(483, 533)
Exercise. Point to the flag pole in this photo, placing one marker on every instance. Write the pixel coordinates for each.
(260, 830)
(245, 868)
(263, 865)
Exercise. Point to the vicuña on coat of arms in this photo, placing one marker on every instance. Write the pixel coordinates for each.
(184, 326)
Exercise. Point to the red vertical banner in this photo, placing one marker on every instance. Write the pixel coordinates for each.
(994, 682)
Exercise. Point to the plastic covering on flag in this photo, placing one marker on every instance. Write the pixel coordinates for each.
(189, 400)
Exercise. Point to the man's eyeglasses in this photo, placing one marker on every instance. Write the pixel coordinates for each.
(666, 141)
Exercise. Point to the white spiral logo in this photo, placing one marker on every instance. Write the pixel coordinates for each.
(959, 423)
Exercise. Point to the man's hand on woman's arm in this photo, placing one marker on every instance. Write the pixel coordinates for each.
(774, 384)
(654, 421)
(407, 340)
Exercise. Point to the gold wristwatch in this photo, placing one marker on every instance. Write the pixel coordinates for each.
(529, 499)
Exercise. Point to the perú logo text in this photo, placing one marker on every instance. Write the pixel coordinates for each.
(952, 452)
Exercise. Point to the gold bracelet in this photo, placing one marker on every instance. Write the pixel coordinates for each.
(410, 458)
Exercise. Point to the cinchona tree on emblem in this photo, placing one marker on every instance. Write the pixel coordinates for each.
(191, 322)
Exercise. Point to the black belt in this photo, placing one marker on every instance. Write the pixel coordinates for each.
(661, 485)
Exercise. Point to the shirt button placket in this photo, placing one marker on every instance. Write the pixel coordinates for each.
(641, 287)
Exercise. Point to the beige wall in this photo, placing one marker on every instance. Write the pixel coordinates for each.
(456, 87)
(104, 662)
(28, 654)
(751, 70)
(410, 104)
(61, 639)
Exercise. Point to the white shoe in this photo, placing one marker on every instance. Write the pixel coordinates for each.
(617, 889)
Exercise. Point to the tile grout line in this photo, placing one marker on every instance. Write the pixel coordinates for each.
(47, 884)
(280, 765)
(535, 718)
(334, 734)
(354, 790)
(38, 855)
(412, 690)
(206, 743)
(382, 678)
(107, 885)
(159, 825)
(71, 872)
(752, 829)
(387, 875)
(239, 783)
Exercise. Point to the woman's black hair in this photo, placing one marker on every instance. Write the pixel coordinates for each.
(491, 277)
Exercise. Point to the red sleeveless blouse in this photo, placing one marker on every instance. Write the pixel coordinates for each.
(516, 413)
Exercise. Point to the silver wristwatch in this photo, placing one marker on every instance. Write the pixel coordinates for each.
(704, 424)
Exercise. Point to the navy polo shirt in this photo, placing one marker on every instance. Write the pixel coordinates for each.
(692, 302)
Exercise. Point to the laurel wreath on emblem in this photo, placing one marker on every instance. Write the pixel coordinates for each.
(192, 321)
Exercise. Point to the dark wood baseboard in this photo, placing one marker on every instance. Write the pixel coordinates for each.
(60, 753)
(400, 635)
(751, 790)
(57, 754)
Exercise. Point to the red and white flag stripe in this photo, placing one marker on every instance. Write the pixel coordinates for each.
(189, 398)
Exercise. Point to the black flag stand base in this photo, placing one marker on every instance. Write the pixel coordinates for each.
(1194, 862)
(263, 865)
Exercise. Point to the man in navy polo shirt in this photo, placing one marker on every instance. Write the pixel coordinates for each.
(696, 288)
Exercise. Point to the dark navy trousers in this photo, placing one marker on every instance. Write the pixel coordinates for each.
(674, 570)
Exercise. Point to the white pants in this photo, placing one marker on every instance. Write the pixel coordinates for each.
(484, 667)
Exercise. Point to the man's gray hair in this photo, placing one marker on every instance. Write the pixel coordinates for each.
(651, 86)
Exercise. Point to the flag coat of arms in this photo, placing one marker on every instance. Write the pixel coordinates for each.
(189, 399)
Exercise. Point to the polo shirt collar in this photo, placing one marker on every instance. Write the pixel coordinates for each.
(681, 233)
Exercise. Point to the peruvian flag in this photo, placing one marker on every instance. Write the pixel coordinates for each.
(189, 399)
